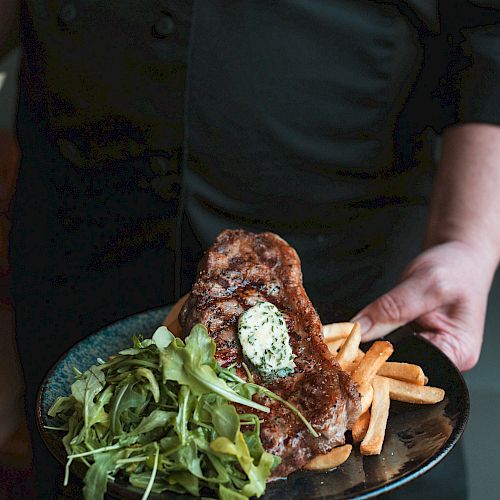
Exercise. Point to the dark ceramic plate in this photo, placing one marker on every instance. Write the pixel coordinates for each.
(417, 437)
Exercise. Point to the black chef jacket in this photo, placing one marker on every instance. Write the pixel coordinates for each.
(148, 127)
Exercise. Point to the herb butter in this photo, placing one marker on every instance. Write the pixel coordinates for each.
(265, 341)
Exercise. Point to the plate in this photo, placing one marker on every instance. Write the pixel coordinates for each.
(417, 438)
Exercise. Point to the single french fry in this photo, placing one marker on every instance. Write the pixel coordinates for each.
(412, 393)
(359, 356)
(366, 393)
(350, 367)
(374, 358)
(403, 371)
(374, 438)
(331, 459)
(360, 427)
(337, 330)
(172, 319)
(349, 349)
(334, 345)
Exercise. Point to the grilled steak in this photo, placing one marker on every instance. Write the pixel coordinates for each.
(239, 270)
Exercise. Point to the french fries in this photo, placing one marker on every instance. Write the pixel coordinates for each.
(334, 345)
(360, 427)
(412, 393)
(331, 459)
(172, 319)
(335, 331)
(350, 367)
(349, 350)
(366, 393)
(374, 439)
(404, 372)
(374, 358)
(378, 382)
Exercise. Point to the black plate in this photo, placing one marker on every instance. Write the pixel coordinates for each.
(417, 438)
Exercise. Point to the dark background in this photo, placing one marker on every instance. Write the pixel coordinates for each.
(481, 438)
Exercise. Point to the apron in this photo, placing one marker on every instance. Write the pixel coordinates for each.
(146, 128)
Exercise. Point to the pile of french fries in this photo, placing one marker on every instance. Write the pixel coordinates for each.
(378, 381)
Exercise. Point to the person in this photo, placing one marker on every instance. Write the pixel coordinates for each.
(148, 128)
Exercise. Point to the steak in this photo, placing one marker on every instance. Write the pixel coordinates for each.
(239, 270)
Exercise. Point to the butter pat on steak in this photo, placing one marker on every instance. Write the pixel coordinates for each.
(238, 271)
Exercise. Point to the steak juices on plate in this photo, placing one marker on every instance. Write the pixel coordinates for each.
(240, 270)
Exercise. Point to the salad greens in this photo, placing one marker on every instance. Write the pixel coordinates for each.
(159, 415)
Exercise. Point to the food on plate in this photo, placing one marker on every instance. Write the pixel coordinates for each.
(158, 415)
(412, 393)
(403, 371)
(257, 389)
(374, 437)
(378, 382)
(349, 349)
(366, 393)
(370, 363)
(265, 341)
(335, 331)
(330, 460)
(361, 426)
(240, 270)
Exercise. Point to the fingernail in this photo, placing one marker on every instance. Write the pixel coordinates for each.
(365, 323)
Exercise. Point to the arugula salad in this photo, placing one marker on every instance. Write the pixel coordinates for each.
(159, 415)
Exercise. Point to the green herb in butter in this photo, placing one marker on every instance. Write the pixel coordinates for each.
(265, 341)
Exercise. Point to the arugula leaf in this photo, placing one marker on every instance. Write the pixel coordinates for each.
(257, 474)
(200, 346)
(88, 385)
(226, 420)
(61, 405)
(140, 343)
(187, 481)
(188, 457)
(227, 494)
(125, 398)
(96, 478)
(252, 438)
(141, 480)
(153, 472)
(169, 443)
(74, 424)
(186, 404)
(172, 363)
(162, 338)
(159, 414)
(189, 365)
(96, 413)
(131, 351)
(153, 384)
(156, 419)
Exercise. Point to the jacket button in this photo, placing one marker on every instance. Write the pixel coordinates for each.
(163, 26)
(159, 165)
(67, 14)
(71, 152)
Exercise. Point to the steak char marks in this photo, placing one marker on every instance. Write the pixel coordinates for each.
(239, 270)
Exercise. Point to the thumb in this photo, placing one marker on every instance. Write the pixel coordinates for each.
(409, 300)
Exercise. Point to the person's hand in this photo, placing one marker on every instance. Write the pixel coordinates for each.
(444, 290)
(172, 319)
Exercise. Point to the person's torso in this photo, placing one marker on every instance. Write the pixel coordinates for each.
(288, 112)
